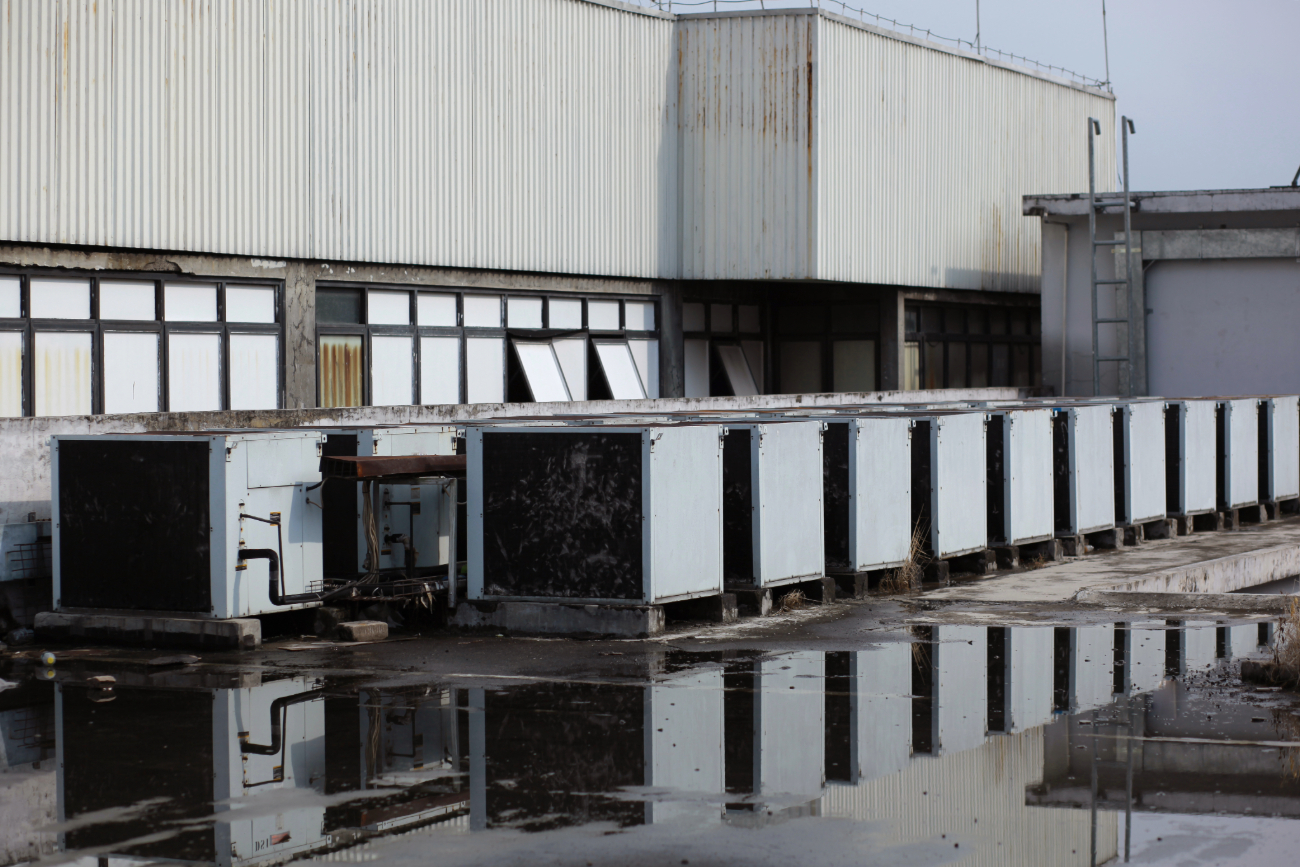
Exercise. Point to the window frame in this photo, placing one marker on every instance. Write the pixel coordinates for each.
(733, 336)
(965, 338)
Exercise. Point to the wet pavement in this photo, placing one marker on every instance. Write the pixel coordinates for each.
(867, 733)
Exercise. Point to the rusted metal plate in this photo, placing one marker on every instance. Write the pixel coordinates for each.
(348, 467)
(340, 370)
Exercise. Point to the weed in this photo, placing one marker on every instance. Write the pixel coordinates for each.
(793, 601)
(907, 578)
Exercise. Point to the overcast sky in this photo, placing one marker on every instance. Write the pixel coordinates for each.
(1213, 88)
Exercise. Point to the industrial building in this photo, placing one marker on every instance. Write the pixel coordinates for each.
(240, 205)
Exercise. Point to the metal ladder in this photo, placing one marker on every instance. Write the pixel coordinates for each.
(1097, 204)
(1123, 727)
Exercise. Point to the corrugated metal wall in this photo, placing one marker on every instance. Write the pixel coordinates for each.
(924, 156)
(539, 135)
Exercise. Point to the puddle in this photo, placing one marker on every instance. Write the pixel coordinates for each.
(969, 744)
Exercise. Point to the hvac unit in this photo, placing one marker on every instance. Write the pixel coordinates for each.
(1279, 446)
(1190, 457)
(214, 525)
(629, 514)
(1238, 452)
(866, 489)
(224, 744)
(1083, 470)
(1139, 445)
(772, 503)
(949, 482)
(1019, 448)
(419, 512)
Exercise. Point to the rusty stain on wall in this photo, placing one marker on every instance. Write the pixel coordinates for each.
(340, 370)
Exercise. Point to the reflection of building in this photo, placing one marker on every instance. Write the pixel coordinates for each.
(28, 788)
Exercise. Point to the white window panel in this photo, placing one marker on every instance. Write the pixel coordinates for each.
(436, 309)
(646, 355)
(130, 371)
(190, 302)
(60, 299)
(602, 315)
(855, 365)
(720, 317)
(482, 311)
(193, 372)
(440, 369)
(736, 367)
(692, 316)
(571, 352)
(754, 355)
(640, 315)
(254, 371)
(391, 361)
(485, 375)
(387, 307)
(524, 312)
(127, 301)
(566, 313)
(750, 321)
(250, 304)
(801, 367)
(696, 357)
(620, 371)
(11, 299)
(62, 373)
(542, 370)
(11, 374)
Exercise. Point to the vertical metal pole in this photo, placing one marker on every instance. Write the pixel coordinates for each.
(1105, 41)
(477, 760)
(453, 556)
(1093, 737)
(977, 26)
(1135, 317)
(1093, 126)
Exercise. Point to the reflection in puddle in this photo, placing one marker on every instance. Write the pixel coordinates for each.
(1006, 744)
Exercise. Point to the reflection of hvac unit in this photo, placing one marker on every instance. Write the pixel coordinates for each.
(1279, 444)
(1190, 457)
(1083, 469)
(599, 514)
(772, 503)
(1238, 451)
(1139, 454)
(410, 512)
(211, 524)
(949, 482)
(1019, 476)
(866, 486)
(185, 749)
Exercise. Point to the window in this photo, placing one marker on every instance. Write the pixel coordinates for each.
(389, 345)
(971, 347)
(723, 348)
(828, 347)
(122, 343)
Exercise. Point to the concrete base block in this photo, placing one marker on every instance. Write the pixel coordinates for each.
(1231, 519)
(1289, 507)
(714, 609)
(1164, 528)
(1106, 540)
(854, 586)
(1272, 512)
(1008, 556)
(1210, 522)
(328, 619)
(752, 602)
(1252, 515)
(363, 630)
(624, 621)
(820, 589)
(936, 572)
(977, 563)
(1073, 546)
(1133, 535)
(1048, 551)
(1185, 525)
(242, 633)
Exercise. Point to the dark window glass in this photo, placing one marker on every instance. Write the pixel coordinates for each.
(979, 365)
(956, 365)
(1001, 366)
(1020, 364)
(977, 321)
(1037, 378)
(910, 320)
(854, 317)
(1019, 322)
(931, 320)
(954, 321)
(801, 320)
(338, 306)
(933, 364)
(997, 322)
(1035, 323)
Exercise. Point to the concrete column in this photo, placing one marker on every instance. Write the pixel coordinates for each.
(300, 336)
(672, 377)
(891, 339)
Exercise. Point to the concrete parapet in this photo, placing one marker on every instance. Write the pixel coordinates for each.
(1237, 603)
(241, 633)
(624, 621)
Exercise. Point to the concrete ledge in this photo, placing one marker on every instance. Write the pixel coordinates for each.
(244, 633)
(1221, 575)
(1237, 603)
(624, 621)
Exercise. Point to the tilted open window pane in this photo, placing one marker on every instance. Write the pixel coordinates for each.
(754, 355)
(190, 302)
(60, 299)
(250, 304)
(11, 299)
(736, 367)
(193, 372)
(130, 371)
(542, 370)
(571, 352)
(620, 370)
(440, 370)
(391, 363)
(126, 301)
(696, 364)
(646, 355)
(11, 374)
(254, 371)
(62, 373)
(485, 375)
(340, 370)
(524, 312)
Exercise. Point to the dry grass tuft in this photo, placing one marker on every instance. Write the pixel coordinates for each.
(1034, 563)
(907, 578)
(793, 601)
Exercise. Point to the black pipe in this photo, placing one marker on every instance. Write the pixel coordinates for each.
(277, 729)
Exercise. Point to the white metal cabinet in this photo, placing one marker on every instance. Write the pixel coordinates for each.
(1281, 418)
(1086, 481)
(1020, 476)
(1142, 435)
(1239, 452)
(1191, 453)
(960, 709)
(948, 455)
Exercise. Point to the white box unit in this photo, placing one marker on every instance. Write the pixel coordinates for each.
(1083, 468)
(772, 503)
(265, 740)
(1280, 441)
(1140, 461)
(1238, 450)
(1019, 476)
(866, 491)
(685, 747)
(959, 712)
(1190, 457)
(628, 514)
(949, 482)
(881, 711)
(345, 542)
(158, 521)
